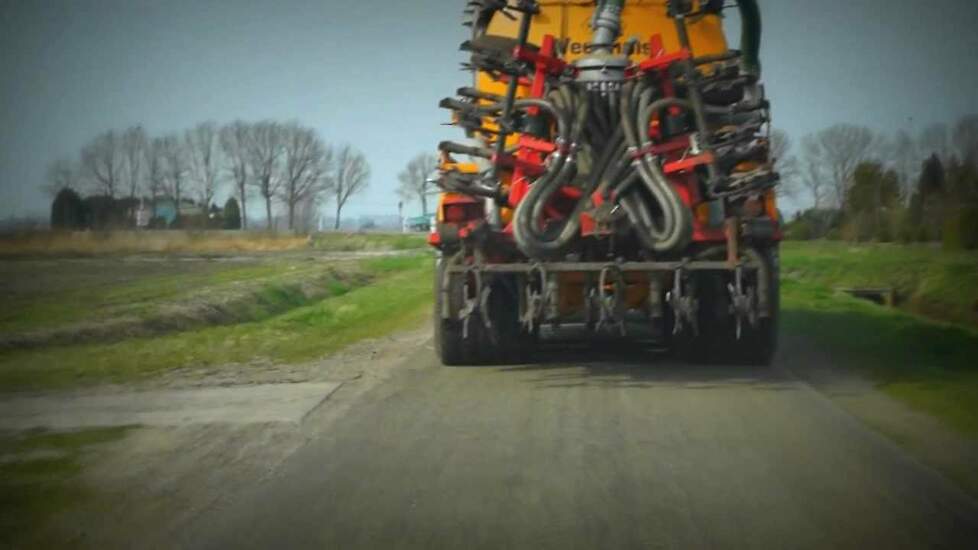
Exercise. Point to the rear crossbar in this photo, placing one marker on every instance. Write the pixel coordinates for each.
(597, 267)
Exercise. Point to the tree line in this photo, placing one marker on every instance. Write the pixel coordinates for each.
(283, 165)
(860, 185)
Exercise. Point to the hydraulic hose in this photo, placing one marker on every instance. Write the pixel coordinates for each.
(750, 41)
(675, 226)
(666, 229)
(529, 237)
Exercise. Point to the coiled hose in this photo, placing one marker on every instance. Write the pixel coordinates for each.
(675, 225)
(610, 124)
(533, 240)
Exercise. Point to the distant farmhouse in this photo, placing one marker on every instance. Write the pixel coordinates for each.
(71, 211)
(162, 212)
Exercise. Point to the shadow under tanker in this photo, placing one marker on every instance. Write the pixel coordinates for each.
(574, 356)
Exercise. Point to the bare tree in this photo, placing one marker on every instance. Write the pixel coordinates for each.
(933, 140)
(414, 179)
(351, 177)
(905, 156)
(134, 144)
(203, 153)
(831, 157)
(264, 156)
(102, 163)
(784, 162)
(966, 139)
(61, 174)
(814, 181)
(307, 214)
(306, 163)
(234, 142)
(156, 173)
(175, 168)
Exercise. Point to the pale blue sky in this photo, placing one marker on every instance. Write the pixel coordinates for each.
(371, 72)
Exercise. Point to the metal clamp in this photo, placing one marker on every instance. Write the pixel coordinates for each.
(742, 304)
(535, 300)
(475, 302)
(684, 307)
(611, 306)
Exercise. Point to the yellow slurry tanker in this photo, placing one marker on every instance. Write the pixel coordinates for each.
(616, 172)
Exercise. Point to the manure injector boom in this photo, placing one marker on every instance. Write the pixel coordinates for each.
(606, 179)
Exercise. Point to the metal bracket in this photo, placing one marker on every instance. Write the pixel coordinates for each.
(742, 304)
(684, 307)
(611, 306)
(535, 301)
(475, 302)
(655, 298)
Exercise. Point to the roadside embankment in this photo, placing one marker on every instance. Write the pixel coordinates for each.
(928, 363)
(374, 297)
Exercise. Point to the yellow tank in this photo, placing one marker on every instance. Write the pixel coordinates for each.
(569, 22)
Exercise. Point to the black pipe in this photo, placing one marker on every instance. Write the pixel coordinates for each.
(514, 80)
(750, 38)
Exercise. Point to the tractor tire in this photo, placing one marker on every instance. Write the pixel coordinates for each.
(506, 343)
(450, 344)
(716, 341)
(512, 343)
(760, 343)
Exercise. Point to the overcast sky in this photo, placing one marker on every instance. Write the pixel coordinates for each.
(371, 72)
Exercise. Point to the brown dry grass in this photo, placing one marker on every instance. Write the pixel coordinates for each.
(95, 243)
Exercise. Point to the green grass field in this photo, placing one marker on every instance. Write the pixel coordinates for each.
(398, 295)
(930, 364)
(52, 244)
(58, 299)
(351, 242)
(61, 244)
(47, 294)
(929, 281)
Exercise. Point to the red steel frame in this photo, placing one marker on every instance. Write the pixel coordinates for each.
(527, 163)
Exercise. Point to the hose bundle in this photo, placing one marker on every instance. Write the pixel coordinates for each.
(600, 124)
(609, 123)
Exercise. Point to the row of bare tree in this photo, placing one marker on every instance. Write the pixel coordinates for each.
(821, 174)
(283, 164)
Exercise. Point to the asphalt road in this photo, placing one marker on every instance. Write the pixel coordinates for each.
(595, 450)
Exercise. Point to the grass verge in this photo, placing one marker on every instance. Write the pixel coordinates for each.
(929, 365)
(929, 281)
(40, 478)
(59, 244)
(151, 295)
(353, 242)
(97, 243)
(398, 297)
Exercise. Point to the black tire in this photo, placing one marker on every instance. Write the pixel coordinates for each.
(507, 343)
(512, 343)
(760, 343)
(717, 342)
(450, 345)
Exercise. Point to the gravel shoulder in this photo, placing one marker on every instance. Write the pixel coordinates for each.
(162, 477)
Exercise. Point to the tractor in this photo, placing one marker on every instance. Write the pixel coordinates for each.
(616, 172)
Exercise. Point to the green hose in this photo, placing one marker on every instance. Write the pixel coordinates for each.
(750, 40)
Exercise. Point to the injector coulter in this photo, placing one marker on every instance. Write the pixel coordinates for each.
(616, 169)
